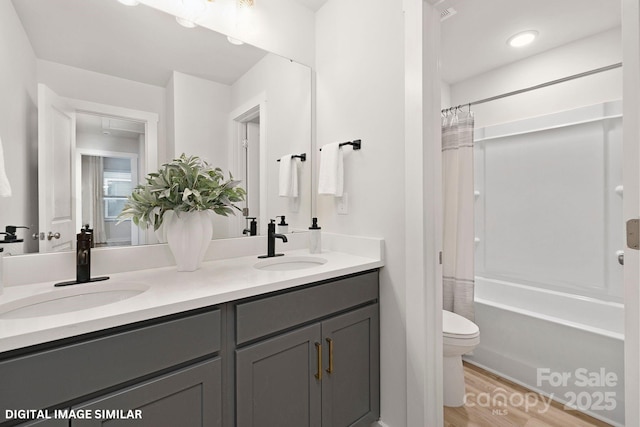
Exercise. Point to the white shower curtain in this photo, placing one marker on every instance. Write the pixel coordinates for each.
(96, 197)
(458, 189)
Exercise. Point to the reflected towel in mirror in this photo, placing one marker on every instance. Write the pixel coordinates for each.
(331, 176)
(5, 187)
(288, 178)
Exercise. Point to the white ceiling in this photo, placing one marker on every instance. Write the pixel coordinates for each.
(135, 43)
(474, 40)
(310, 4)
(98, 125)
(145, 45)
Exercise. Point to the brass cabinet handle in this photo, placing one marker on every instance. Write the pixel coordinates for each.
(330, 370)
(319, 351)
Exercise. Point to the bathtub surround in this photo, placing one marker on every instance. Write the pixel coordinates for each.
(542, 305)
(458, 189)
(524, 329)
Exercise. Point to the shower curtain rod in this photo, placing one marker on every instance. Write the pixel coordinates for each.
(540, 86)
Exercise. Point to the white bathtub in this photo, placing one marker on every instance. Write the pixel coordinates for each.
(533, 336)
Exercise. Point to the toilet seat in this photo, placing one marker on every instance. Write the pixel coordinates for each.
(457, 327)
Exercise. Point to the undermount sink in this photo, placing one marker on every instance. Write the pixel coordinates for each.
(285, 263)
(75, 298)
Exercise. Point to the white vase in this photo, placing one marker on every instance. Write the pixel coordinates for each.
(188, 236)
(161, 232)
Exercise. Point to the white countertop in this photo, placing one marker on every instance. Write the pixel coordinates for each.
(170, 292)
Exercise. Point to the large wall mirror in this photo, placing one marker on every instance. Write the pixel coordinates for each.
(134, 89)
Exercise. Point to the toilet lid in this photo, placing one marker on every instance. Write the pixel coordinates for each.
(454, 324)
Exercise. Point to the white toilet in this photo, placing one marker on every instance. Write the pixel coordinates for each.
(460, 336)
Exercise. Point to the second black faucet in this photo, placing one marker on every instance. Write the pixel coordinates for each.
(271, 240)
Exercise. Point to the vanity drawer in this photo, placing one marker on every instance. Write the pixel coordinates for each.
(271, 314)
(51, 377)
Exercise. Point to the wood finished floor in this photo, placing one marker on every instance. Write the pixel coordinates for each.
(480, 413)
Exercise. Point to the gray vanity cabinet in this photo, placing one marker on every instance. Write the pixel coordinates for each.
(165, 366)
(350, 383)
(306, 356)
(190, 397)
(325, 373)
(276, 385)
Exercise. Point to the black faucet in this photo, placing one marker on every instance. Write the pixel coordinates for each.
(253, 227)
(83, 259)
(10, 234)
(271, 240)
(83, 254)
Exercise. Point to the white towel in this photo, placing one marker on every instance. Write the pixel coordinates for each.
(5, 187)
(288, 177)
(331, 179)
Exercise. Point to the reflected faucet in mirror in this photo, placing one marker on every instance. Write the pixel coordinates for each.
(10, 235)
(252, 227)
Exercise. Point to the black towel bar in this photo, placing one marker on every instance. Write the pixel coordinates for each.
(356, 143)
(302, 157)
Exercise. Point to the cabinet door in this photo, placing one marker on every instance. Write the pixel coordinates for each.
(276, 383)
(351, 385)
(190, 397)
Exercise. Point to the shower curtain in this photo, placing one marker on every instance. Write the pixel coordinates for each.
(458, 218)
(96, 197)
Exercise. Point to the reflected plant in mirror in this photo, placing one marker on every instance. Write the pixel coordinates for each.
(186, 184)
(178, 201)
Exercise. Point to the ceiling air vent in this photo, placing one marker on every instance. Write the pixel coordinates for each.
(447, 13)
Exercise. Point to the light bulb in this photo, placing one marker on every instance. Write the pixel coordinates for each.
(522, 39)
(234, 41)
(187, 23)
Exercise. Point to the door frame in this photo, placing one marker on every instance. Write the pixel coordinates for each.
(149, 156)
(256, 106)
(631, 203)
(137, 234)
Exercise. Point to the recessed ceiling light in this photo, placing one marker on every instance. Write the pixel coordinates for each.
(129, 2)
(522, 39)
(234, 41)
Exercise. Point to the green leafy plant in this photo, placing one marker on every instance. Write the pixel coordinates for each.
(183, 185)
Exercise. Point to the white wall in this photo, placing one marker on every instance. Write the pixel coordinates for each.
(18, 123)
(92, 141)
(593, 52)
(200, 110)
(360, 95)
(286, 87)
(86, 85)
